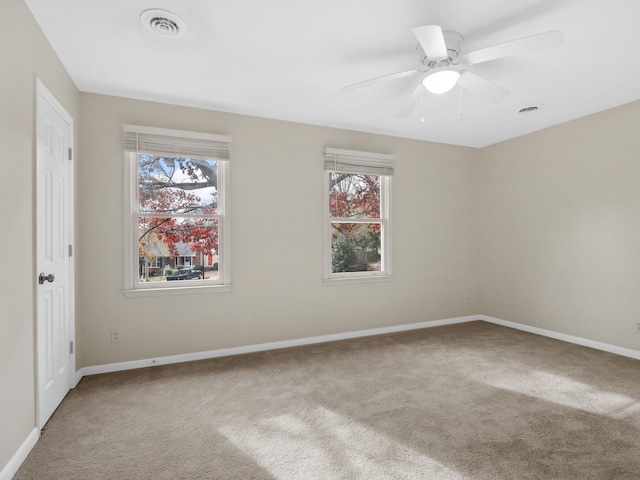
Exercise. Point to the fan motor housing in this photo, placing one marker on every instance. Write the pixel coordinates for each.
(453, 41)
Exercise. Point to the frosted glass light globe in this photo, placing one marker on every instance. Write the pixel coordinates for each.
(441, 81)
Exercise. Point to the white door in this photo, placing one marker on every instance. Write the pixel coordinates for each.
(54, 282)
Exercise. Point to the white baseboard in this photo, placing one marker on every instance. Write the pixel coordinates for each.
(224, 352)
(79, 374)
(189, 357)
(20, 456)
(625, 352)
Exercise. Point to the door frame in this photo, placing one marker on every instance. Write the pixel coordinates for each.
(43, 94)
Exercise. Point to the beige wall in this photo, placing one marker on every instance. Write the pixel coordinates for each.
(276, 202)
(24, 54)
(560, 228)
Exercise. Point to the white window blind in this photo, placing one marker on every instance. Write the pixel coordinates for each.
(175, 143)
(351, 161)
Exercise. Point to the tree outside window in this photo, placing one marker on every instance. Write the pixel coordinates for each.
(176, 193)
(178, 200)
(357, 216)
(355, 246)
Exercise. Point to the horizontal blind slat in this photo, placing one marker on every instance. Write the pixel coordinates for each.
(173, 146)
(358, 162)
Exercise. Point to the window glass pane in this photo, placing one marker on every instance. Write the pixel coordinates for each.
(355, 247)
(183, 248)
(177, 185)
(354, 195)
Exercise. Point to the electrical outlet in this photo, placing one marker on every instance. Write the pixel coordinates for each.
(638, 327)
(466, 299)
(115, 336)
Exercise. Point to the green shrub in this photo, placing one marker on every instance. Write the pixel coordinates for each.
(343, 256)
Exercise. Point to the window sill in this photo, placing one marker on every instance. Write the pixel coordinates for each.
(347, 280)
(156, 292)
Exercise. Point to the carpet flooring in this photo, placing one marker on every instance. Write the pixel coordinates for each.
(468, 401)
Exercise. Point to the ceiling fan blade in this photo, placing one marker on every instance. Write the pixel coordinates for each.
(432, 41)
(481, 86)
(410, 102)
(392, 76)
(540, 41)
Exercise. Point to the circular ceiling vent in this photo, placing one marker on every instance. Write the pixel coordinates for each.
(163, 22)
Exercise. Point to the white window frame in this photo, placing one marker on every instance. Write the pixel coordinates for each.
(182, 261)
(351, 161)
(155, 263)
(133, 287)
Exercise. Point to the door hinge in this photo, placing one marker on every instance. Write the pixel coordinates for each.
(71, 154)
(70, 250)
(71, 347)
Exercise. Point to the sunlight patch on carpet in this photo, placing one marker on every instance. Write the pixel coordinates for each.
(552, 387)
(320, 443)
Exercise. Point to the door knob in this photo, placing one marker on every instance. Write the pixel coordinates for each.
(46, 278)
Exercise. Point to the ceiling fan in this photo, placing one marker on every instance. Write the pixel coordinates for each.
(443, 65)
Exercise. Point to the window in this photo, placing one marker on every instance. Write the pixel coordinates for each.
(154, 262)
(186, 261)
(177, 211)
(357, 231)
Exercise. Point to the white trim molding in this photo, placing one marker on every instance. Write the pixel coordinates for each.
(605, 347)
(79, 374)
(11, 468)
(224, 352)
(297, 342)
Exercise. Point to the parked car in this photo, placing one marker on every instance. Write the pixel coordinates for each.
(186, 274)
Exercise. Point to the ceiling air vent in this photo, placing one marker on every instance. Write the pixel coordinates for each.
(163, 22)
(529, 110)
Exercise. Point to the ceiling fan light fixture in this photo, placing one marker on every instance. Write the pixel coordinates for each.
(441, 81)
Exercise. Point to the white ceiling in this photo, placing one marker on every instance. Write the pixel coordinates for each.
(288, 59)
